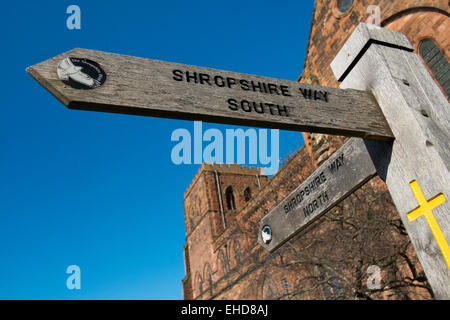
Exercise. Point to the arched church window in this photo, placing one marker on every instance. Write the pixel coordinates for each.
(344, 5)
(229, 196)
(437, 63)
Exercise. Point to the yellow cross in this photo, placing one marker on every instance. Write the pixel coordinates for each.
(425, 208)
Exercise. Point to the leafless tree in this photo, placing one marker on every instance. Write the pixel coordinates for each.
(330, 259)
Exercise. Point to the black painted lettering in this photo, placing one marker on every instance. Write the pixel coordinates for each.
(299, 198)
(338, 164)
(317, 95)
(245, 105)
(258, 107)
(319, 198)
(270, 106)
(264, 87)
(285, 91)
(317, 180)
(190, 77)
(204, 78)
(231, 82)
(273, 88)
(232, 104)
(306, 212)
(244, 85)
(256, 86)
(332, 167)
(282, 110)
(291, 205)
(321, 95)
(306, 93)
(177, 75)
(218, 80)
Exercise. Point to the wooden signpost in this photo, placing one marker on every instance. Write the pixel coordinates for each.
(163, 89)
(346, 170)
(417, 161)
(374, 62)
(418, 113)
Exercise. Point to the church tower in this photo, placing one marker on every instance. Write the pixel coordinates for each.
(211, 203)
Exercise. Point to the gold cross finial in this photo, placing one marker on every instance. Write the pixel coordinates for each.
(424, 209)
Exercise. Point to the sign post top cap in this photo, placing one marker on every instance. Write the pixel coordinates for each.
(359, 41)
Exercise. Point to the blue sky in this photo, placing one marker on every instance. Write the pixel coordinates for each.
(99, 190)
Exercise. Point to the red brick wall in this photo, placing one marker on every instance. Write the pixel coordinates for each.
(329, 31)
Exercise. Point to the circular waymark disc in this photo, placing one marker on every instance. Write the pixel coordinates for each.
(80, 73)
(266, 234)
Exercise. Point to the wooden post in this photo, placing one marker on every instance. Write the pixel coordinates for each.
(415, 166)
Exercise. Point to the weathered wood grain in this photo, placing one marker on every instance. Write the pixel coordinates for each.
(345, 171)
(147, 87)
(418, 114)
(343, 63)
